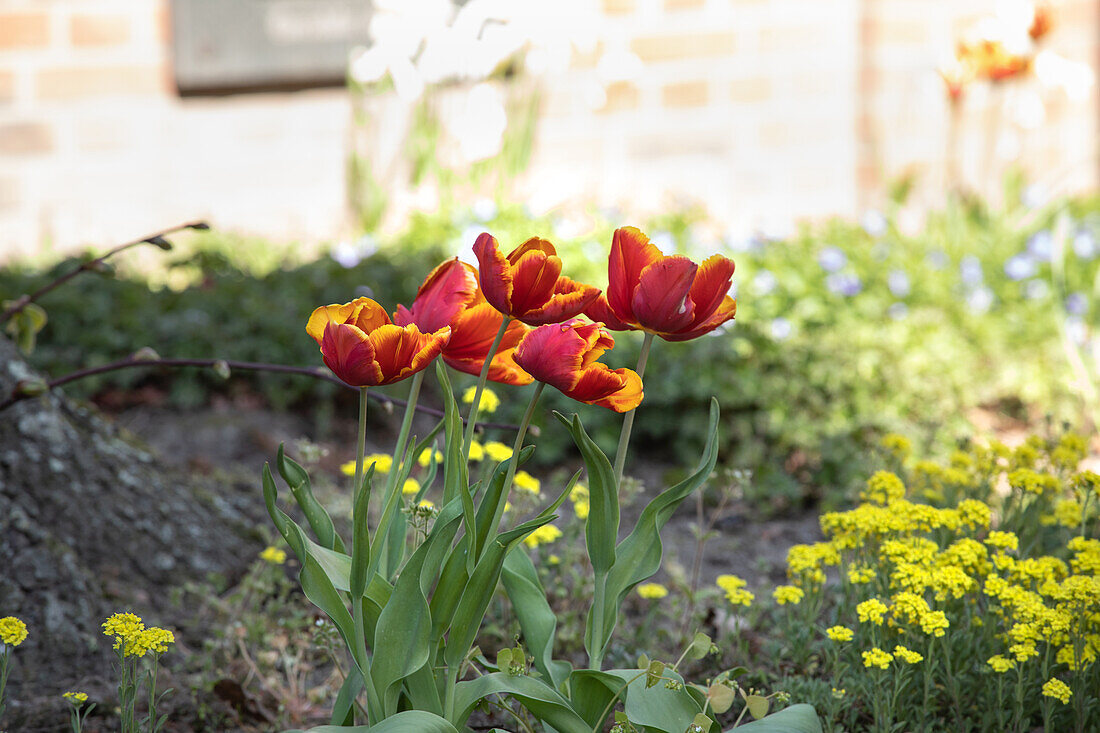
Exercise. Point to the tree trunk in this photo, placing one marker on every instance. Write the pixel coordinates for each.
(91, 524)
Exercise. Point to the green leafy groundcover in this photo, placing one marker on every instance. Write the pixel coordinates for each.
(844, 331)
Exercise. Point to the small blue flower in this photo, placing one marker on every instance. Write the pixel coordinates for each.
(1036, 289)
(898, 282)
(764, 283)
(832, 259)
(1084, 244)
(781, 329)
(844, 283)
(1040, 245)
(1077, 304)
(1020, 267)
(980, 299)
(897, 311)
(970, 270)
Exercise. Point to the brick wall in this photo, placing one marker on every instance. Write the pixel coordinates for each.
(764, 111)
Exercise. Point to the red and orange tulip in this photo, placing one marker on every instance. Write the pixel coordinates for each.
(450, 296)
(564, 355)
(527, 284)
(671, 297)
(364, 348)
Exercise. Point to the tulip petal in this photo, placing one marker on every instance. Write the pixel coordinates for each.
(534, 275)
(712, 281)
(725, 311)
(569, 300)
(601, 312)
(552, 354)
(368, 315)
(336, 313)
(631, 252)
(619, 390)
(475, 328)
(503, 370)
(403, 351)
(471, 337)
(445, 292)
(495, 272)
(660, 302)
(349, 353)
(596, 341)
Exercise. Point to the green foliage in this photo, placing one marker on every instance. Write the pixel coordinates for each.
(810, 375)
(411, 628)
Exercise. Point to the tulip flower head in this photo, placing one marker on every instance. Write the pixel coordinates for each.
(450, 296)
(671, 297)
(564, 355)
(364, 348)
(527, 284)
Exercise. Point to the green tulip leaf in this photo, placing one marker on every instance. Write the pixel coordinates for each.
(795, 719)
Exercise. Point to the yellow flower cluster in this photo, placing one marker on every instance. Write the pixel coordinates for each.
(952, 554)
(735, 590)
(497, 451)
(1057, 689)
(785, 594)
(477, 451)
(527, 482)
(12, 631)
(382, 464)
(877, 658)
(426, 456)
(489, 400)
(273, 555)
(545, 534)
(652, 591)
(872, 610)
(133, 639)
(77, 698)
(580, 497)
(411, 486)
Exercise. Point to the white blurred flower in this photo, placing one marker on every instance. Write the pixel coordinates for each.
(980, 300)
(874, 223)
(898, 282)
(1073, 77)
(479, 124)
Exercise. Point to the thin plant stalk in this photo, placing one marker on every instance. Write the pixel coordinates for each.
(360, 640)
(514, 460)
(628, 421)
(471, 421)
(393, 491)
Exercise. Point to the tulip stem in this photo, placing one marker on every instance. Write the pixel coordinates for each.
(628, 421)
(471, 421)
(360, 443)
(393, 491)
(513, 462)
(359, 637)
(406, 423)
